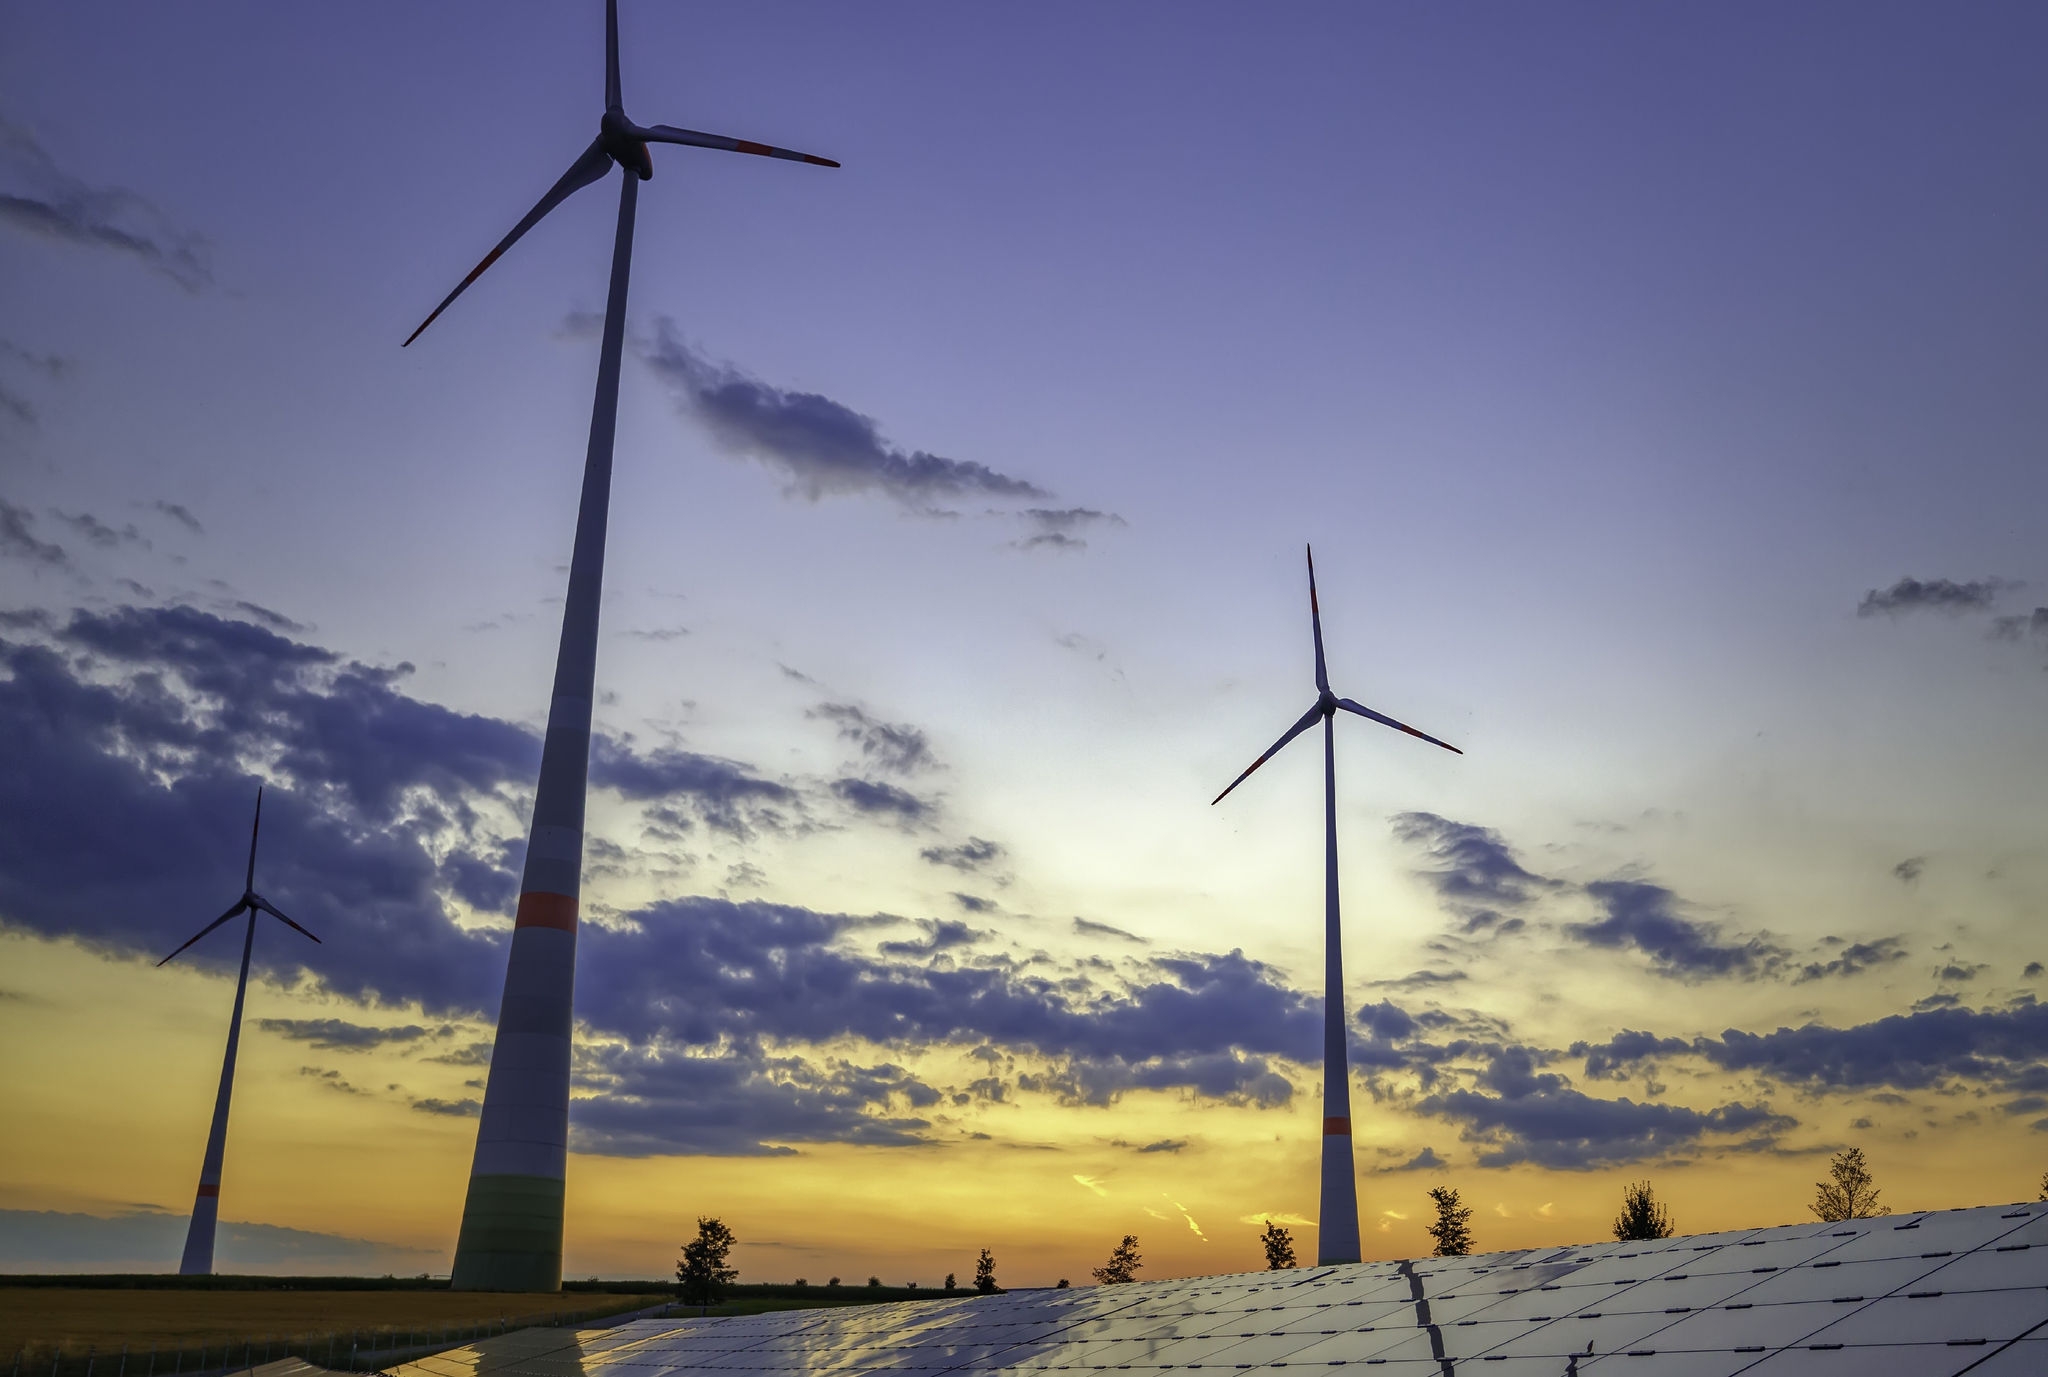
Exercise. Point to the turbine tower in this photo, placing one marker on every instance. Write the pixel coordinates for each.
(511, 1238)
(1337, 1216)
(198, 1259)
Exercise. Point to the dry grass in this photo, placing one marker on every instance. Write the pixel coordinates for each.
(42, 1319)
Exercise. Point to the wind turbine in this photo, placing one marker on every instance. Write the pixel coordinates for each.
(1337, 1227)
(511, 1238)
(198, 1259)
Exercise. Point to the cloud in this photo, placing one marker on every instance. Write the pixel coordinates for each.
(877, 799)
(893, 747)
(50, 366)
(1165, 1145)
(180, 514)
(725, 795)
(275, 621)
(819, 447)
(1643, 916)
(1626, 1052)
(2021, 626)
(454, 1109)
(973, 903)
(99, 533)
(18, 538)
(1854, 959)
(1538, 1118)
(1091, 1183)
(42, 199)
(331, 1034)
(1088, 927)
(1475, 873)
(940, 935)
(1060, 528)
(1425, 1160)
(1910, 869)
(1931, 595)
(976, 853)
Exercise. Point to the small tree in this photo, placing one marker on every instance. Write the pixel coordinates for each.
(1642, 1215)
(949, 1281)
(1123, 1264)
(833, 1281)
(1850, 1195)
(1453, 1228)
(2044, 1187)
(874, 1281)
(1279, 1247)
(702, 1273)
(985, 1273)
(1061, 1284)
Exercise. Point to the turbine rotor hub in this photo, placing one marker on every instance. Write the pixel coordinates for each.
(1326, 703)
(623, 144)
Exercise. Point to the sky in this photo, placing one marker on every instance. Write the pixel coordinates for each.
(1659, 388)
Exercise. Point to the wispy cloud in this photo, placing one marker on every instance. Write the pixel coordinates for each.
(1091, 1183)
(1061, 528)
(18, 538)
(817, 446)
(976, 853)
(38, 197)
(1931, 595)
(892, 746)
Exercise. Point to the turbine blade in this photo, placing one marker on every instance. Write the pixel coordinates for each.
(594, 163)
(1384, 720)
(250, 882)
(273, 911)
(1308, 719)
(1315, 616)
(612, 98)
(668, 133)
(240, 904)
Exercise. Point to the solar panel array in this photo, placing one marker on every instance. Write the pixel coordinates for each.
(1925, 1295)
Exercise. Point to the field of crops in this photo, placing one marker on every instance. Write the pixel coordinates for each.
(37, 1322)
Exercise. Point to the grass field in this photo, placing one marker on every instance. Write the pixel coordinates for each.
(41, 1320)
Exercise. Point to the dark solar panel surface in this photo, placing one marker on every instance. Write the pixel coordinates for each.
(1918, 1295)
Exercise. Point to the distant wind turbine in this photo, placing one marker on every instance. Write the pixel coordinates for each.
(511, 1238)
(198, 1259)
(1337, 1228)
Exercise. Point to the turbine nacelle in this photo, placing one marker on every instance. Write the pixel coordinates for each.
(625, 143)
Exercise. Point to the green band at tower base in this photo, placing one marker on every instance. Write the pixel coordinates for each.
(511, 1235)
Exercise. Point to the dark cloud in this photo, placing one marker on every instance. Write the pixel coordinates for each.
(976, 853)
(890, 746)
(1643, 916)
(819, 447)
(1088, 927)
(877, 799)
(454, 1109)
(725, 794)
(941, 935)
(973, 903)
(1626, 1052)
(99, 533)
(42, 199)
(1475, 874)
(2021, 626)
(1425, 1160)
(18, 538)
(179, 513)
(1961, 972)
(50, 366)
(1570, 1131)
(1931, 595)
(1165, 1145)
(1910, 869)
(274, 620)
(2033, 969)
(1061, 528)
(330, 1034)
(1854, 959)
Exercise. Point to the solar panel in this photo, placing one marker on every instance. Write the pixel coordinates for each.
(1924, 1295)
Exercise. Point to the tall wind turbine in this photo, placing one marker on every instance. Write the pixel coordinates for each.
(198, 1259)
(511, 1237)
(1337, 1218)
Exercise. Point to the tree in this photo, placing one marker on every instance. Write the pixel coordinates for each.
(1453, 1228)
(874, 1281)
(1123, 1264)
(1642, 1215)
(1279, 1247)
(985, 1273)
(702, 1273)
(2044, 1187)
(949, 1281)
(1850, 1195)
(1061, 1285)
